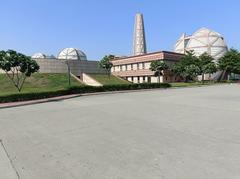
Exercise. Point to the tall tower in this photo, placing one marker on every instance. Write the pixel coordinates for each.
(139, 41)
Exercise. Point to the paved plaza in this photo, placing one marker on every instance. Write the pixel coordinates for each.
(188, 133)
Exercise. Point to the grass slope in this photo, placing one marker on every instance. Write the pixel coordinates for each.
(105, 80)
(37, 83)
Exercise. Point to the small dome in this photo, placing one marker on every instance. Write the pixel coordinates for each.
(202, 41)
(39, 56)
(72, 54)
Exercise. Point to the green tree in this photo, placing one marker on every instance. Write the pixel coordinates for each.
(206, 65)
(17, 67)
(106, 63)
(158, 67)
(188, 67)
(230, 62)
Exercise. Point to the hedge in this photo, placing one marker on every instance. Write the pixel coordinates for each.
(79, 90)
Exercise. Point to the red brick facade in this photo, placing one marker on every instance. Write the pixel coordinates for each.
(136, 68)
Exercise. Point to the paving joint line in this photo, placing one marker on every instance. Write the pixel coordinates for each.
(8, 156)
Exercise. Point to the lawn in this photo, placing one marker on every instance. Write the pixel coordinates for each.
(182, 84)
(37, 83)
(105, 80)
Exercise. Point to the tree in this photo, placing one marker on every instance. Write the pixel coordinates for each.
(106, 63)
(230, 62)
(187, 67)
(206, 65)
(158, 66)
(17, 67)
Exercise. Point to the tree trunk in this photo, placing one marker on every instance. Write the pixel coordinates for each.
(109, 73)
(203, 78)
(159, 77)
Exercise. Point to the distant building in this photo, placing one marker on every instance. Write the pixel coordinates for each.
(68, 59)
(202, 41)
(136, 69)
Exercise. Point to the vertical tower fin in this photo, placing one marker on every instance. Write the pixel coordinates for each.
(139, 41)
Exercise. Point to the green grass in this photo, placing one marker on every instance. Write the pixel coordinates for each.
(191, 84)
(105, 80)
(37, 83)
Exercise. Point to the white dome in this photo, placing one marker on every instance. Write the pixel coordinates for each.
(39, 56)
(72, 54)
(203, 40)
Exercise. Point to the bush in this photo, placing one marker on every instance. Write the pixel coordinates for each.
(79, 90)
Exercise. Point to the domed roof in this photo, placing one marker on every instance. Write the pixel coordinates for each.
(39, 56)
(203, 40)
(72, 54)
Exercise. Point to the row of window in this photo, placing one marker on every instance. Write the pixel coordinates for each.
(144, 79)
(149, 79)
(129, 67)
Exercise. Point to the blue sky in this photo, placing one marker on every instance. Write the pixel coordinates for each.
(100, 27)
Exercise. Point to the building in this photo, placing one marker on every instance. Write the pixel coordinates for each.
(69, 60)
(136, 69)
(202, 41)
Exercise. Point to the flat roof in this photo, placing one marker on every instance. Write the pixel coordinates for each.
(161, 55)
(152, 53)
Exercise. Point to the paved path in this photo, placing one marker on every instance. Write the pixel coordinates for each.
(170, 134)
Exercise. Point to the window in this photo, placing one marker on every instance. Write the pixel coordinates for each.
(143, 65)
(120, 67)
(132, 78)
(144, 79)
(126, 67)
(137, 66)
(131, 66)
(138, 78)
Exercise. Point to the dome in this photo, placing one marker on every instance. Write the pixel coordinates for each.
(203, 40)
(39, 56)
(72, 54)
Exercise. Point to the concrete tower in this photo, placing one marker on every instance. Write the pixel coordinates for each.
(139, 41)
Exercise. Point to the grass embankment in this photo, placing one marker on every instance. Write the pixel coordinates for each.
(41, 86)
(37, 83)
(192, 84)
(78, 90)
(196, 84)
(106, 80)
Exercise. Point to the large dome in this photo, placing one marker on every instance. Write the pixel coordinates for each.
(39, 56)
(203, 40)
(72, 54)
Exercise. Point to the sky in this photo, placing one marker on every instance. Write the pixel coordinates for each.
(101, 27)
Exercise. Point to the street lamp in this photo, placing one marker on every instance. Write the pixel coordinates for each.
(69, 72)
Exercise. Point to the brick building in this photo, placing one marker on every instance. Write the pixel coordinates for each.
(137, 68)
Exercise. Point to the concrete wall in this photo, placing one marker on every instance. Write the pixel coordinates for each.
(89, 80)
(77, 66)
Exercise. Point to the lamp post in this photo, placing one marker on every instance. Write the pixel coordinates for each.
(69, 72)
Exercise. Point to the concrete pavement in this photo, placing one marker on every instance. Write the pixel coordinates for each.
(178, 133)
